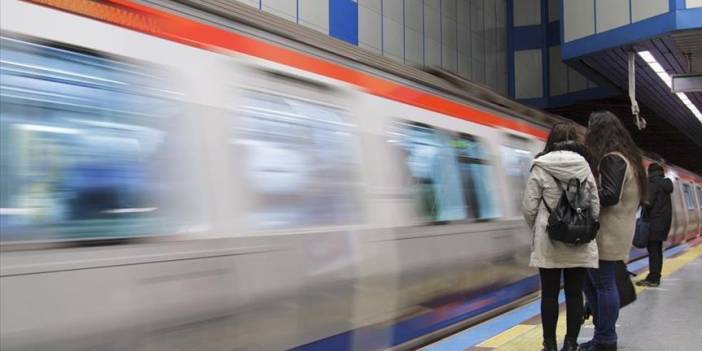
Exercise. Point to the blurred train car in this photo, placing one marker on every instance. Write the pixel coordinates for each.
(176, 180)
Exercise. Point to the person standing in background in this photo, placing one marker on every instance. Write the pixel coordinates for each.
(622, 187)
(659, 213)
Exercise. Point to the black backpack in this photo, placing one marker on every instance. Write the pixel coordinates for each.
(571, 220)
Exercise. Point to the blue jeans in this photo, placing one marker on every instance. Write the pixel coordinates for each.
(603, 297)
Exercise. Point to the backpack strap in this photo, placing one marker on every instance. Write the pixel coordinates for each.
(545, 204)
(558, 184)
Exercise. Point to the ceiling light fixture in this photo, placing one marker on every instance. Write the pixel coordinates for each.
(665, 77)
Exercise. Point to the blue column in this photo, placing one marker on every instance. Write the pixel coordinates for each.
(510, 49)
(343, 20)
(545, 67)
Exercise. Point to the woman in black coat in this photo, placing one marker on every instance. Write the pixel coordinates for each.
(659, 212)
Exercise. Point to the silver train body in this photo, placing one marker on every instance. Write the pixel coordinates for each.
(158, 196)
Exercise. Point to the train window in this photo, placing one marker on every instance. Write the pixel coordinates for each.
(699, 196)
(87, 148)
(301, 163)
(689, 196)
(516, 162)
(451, 176)
(476, 177)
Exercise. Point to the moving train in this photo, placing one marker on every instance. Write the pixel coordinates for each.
(178, 176)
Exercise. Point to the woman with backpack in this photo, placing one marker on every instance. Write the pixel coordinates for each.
(562, 162)
(622, 186)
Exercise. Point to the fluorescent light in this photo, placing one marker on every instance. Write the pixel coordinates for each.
(646, 56)
(665, 77)
(17, 211)
(48, 129)
(131, 210)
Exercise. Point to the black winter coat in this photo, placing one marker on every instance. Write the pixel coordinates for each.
(659, 210)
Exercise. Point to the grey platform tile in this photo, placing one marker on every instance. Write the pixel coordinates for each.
(666, 318)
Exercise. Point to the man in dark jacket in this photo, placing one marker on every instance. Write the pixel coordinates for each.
(659, 212)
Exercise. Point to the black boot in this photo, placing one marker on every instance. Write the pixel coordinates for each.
(605, 347)
(570, 345)
(550, 345)
(590, 346)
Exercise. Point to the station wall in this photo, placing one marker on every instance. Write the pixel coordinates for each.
(467, 37)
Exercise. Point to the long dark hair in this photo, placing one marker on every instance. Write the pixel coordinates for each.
(564, 137)
(606, 134)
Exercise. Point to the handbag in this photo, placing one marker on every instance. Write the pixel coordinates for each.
(625, 288)
(643, 230)
(627, 292)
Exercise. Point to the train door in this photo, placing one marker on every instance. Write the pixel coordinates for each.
(691, 209)
(679, 212)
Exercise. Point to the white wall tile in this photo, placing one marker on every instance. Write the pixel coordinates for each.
(283, 8)
(558, 72)
(369, 4)
(477, 42)
(432, 23)
(449, 8)
(528, 80)
(478, 69)
(450, 58)
(315, 14)
(476, 15)
(392, 38)
(693, 3)
(432, 52)
(369, 28)
(501, 39)
(434, 4)
(489, 14)
(579, 19)
(554, 10)
(502, 81)
(576, 81)
(463, 23)
(642, 9)
(463, 66)
(393, 9)
(449, 45)
(413, 15)
(500, 14)
(491, 70)
(413, 47)
(611, 14)
(527, 12)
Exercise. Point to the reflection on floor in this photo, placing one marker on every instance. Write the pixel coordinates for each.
(662, 318)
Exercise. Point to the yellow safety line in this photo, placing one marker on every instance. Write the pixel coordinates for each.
(528, 337)
(506, 336)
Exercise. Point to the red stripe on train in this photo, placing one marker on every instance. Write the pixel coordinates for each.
(152, 21)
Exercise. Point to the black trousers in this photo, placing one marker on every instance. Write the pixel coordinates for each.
(573, 279)
(655, 261)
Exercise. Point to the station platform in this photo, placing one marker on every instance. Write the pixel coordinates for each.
(662, 318)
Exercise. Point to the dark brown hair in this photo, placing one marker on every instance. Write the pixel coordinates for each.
(564, 136)
(606, 134)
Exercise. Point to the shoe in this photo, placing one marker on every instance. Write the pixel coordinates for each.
(604, 347)
(648, 283)
(586, 346)
(570, 345)
(550, 345)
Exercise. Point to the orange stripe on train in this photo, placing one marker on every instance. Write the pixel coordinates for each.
(165, 25)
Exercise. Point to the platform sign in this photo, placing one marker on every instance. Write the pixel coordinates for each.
(683, 83)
